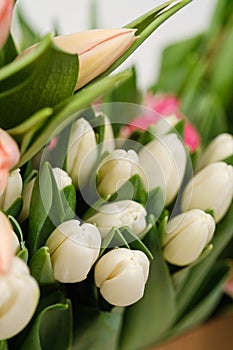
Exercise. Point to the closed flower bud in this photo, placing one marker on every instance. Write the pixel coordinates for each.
(19, 298)
(121, 275)
(119, 214)
(82, 152)
(219, 149)
(12, 191)
(6, 8)
(9, 157)
(115, 170)
(97, 50)
(186, 236)
(164, 162)
(211, 188)
(73, 248)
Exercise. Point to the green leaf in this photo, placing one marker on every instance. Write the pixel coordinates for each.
(146, 321)
(27, 33)
(15, 207)
(51, 329)
(67, 111)
(46, 209)
(155, 202)
(133, 189)
(3, 345)
(42, 78)
(97, 329)
(8, 52)
(41, 267)
(135, 242)
(208, 299)
(199, 272)
(68, 197)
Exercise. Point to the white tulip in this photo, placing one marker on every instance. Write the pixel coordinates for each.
(186, 236)
(19, 296)
(82, 152)
(8, 243)
(62, 179)
(121, 275)
(211, 188)
(164, 125)
(115, 170)
(74, 248)
(118, 214)
(12, 191)
(164, 162)
(219, 149)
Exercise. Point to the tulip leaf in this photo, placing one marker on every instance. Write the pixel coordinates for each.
(3, 345)
(133, 189)
(97, 329)
(146, 321)
(199, 273)
(135, 242)
(8, 52)
(229, 160)
(155, 202)
(68, 197)
(41, 266)
(46, 209)
(207, 299)
(50, 329)
(42, 78)
(15, 207)
(67, 111)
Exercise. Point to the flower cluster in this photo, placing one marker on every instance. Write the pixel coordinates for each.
(104, 223)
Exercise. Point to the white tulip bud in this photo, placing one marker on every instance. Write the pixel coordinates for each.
(121, 275)
(115, 170)
(219, 149)
(118, 214)
(186, 236)
(19, 298)
(164, 162)
(211, 188)
(74, 248)
(62, 178)
(82, 152)
(12, 191)
(164, 125)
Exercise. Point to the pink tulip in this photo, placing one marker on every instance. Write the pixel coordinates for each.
(6, 244)
(6, 8)
(162, 106)
(9, 157)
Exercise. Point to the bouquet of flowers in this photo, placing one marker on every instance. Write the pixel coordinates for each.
(114, 209)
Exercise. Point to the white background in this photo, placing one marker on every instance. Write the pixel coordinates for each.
(74, 15)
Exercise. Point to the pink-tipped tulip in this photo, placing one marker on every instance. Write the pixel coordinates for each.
(97, 50)
(6, 8)
(6, 244)
(9, 156)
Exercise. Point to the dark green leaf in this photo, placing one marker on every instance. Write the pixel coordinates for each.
(68, 197)
(42, 78)
(135, 242)
(8, 52)
(15, 207)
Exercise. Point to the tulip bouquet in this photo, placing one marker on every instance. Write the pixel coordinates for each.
(113, 214)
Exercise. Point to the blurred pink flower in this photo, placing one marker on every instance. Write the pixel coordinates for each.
(6, 8)
(159, 106)
(9, 156)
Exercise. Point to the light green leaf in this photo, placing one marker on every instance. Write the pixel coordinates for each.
(3, 345)
(41, 267)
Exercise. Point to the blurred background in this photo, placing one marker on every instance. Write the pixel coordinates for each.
(77, 15)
